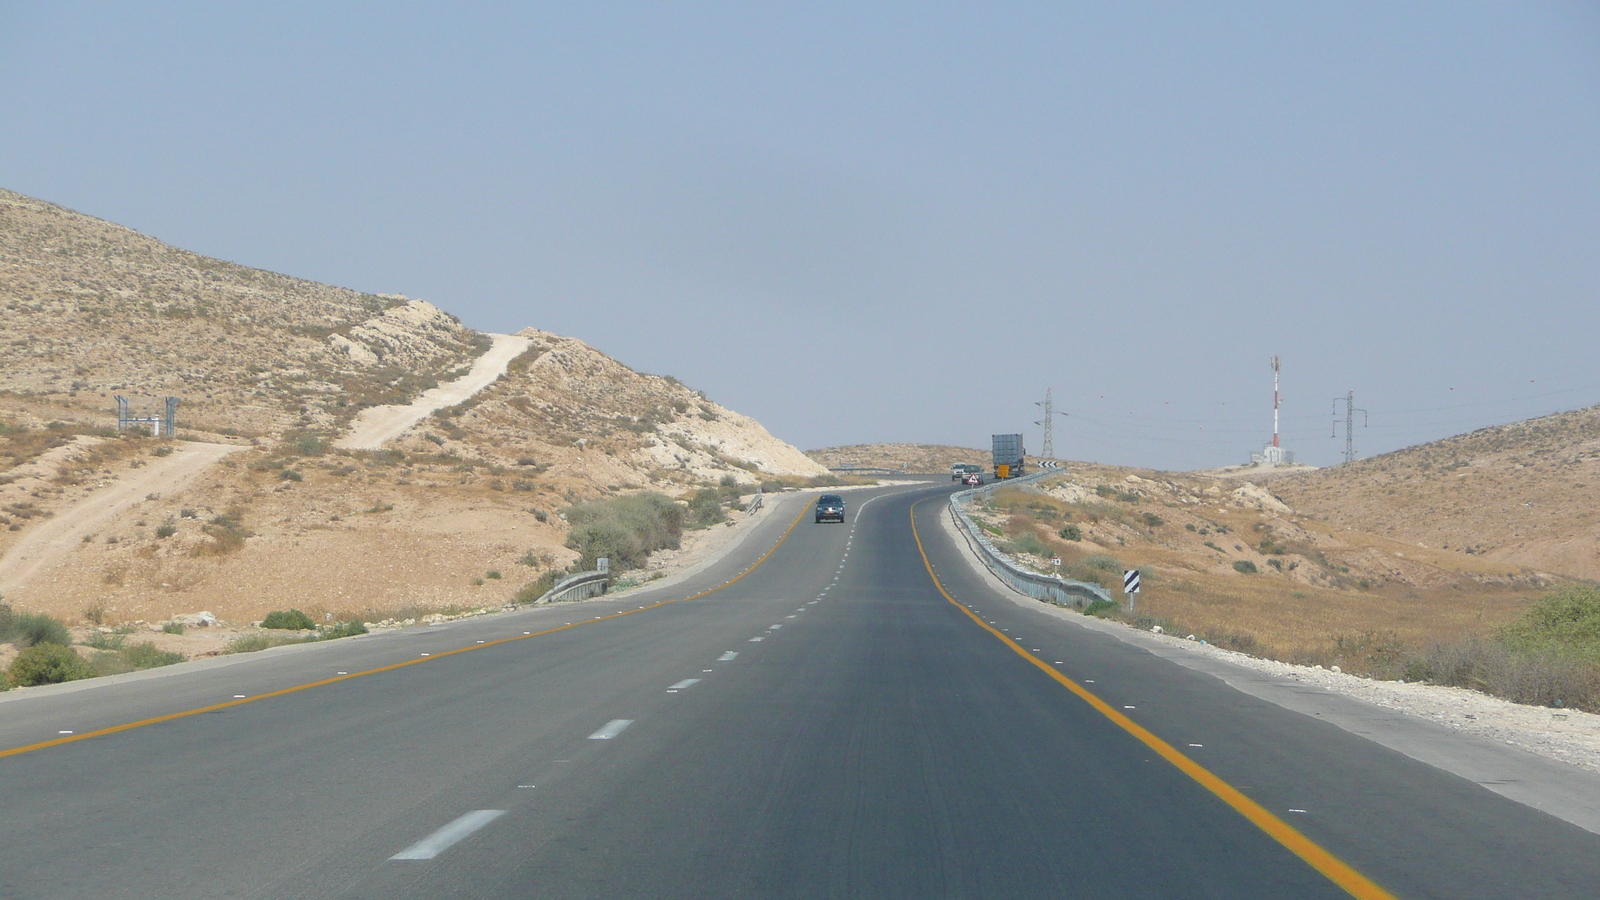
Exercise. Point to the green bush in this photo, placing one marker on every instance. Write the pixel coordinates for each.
(166, 530)
(249, 643)
(1565, 621)
(705, 509)
(343, 630)
(1245, 566)
(1153, 520)
(172, 628)
(32, 629)
(1099, 607)
(1071, 533)
(1027, 542)
(493, 575)
(100, 641)
(48, 663)
(149, 656)
(288, 620)
(625, 530)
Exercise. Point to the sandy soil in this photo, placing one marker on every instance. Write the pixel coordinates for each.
(379, 424)
(48, 544)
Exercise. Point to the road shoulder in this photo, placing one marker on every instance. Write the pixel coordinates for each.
(1564, 790)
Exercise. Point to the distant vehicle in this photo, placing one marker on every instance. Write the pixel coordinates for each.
(830, 507)
(974, 479)
(960, 471)
(1008, 454)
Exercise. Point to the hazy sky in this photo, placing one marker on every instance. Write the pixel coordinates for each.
(893, 221)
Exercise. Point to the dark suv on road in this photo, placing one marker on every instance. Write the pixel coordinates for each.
(830, 506)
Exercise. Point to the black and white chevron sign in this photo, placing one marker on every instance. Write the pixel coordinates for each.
(1049, 464)
(1130, 581)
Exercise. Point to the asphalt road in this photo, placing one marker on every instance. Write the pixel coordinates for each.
(827, 725)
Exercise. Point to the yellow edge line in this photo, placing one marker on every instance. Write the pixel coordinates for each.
(1335, 869)
(29, 748)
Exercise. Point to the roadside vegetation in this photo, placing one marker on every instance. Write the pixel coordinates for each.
(625, 530)
(1542, 648)
(48, 657)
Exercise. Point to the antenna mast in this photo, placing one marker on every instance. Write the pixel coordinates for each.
(1274, 401)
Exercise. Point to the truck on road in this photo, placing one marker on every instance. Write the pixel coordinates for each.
(1008, 455)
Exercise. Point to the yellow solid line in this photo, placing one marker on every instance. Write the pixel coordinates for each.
(1335, 869)
(29, 748)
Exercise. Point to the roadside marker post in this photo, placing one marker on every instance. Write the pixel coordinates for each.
(1130, 585)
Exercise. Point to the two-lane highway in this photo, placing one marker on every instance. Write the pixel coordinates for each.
(832, 723)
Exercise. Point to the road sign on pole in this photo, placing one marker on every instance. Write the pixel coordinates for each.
(1130, 585)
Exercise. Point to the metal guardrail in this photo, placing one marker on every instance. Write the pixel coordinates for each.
(581, 586)
(1035, 585)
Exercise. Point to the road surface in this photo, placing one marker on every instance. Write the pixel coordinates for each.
(828, 724)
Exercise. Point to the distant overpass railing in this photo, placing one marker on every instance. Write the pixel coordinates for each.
(1040, 587)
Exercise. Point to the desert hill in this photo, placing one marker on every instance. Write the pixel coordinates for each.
(1427, 543)
(1522, 495)
(458, 512)
(936, 458)
(93, 309)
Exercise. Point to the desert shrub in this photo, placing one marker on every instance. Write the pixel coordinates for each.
(1153, 520)
(227, 535)
(32, 629)
(1566, 621)
(705, 508)
(172, 628)
(343, 630)
(493, 574)
(48, 663)
(1102, 562)
(1544, 677)
(249, 643)
(1105, 490)
(1027, 542)
(166, 530)
(1245, 566)
(149, 656)
(288, 620)
(100, 641)
(95, 613)
(1098, 607)
(1070, 533)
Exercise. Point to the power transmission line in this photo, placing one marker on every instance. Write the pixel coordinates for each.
(1349, 424)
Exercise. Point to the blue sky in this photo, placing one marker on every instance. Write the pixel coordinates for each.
(893, 221)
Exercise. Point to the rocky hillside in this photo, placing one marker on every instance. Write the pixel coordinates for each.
(1523, 495)
(461, 511)
(93, 309)
(937, 458)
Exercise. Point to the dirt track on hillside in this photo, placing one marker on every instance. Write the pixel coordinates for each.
(379, 424)
(47, 544)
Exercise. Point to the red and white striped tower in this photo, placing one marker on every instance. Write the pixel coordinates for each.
(1274, 401)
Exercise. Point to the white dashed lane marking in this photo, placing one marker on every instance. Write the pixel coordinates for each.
(726, 657)
(611, 729)
(450, 835)
(684, 685)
